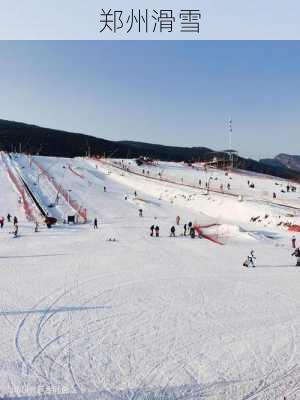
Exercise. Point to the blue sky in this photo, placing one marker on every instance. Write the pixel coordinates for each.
(177, 93)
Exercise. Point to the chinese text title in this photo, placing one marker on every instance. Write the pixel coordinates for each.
(146, 21)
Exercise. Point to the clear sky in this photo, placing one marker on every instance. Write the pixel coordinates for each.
(175, 93)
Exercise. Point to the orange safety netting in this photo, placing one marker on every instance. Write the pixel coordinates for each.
(75, 172)
(20, 188)
(294, 228)
(212, 238)
(82, 212)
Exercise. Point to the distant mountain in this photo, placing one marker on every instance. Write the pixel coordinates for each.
(16, 136)
(32, 139)
(289, 161)
(272, 162)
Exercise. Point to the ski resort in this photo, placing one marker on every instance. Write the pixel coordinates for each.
(129, 279)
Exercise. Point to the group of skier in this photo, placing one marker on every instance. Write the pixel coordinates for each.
(9, 219)
(154, 229)
(188, 229)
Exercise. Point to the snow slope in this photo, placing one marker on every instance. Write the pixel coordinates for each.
(146, 318)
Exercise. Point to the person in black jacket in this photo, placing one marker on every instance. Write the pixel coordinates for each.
(157, 231)
(297, 255)
(184, 229)
(151, 230)
(192, 233)
(172, 234)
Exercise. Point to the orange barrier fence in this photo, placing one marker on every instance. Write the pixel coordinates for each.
(212, 238)
(81, 211)
(294, 228)
(75, 172)
(20, 188)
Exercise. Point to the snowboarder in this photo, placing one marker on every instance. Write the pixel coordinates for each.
(249, 262)
(297, 255)
(15, 220)
(8, 217)
(184, 229)
(151, 230)
(177, 220)
(172, 234)
(294, 242)
(140, 212)
(95, 223)
(157, 231)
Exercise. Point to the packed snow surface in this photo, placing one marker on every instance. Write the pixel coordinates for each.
(113, 313)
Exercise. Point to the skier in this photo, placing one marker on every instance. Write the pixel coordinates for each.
(294, 242)
(8, 217)
(151, 230)
(184, 229)
(177, 220)
(15, 220)
(249, 262)
(190, 224)
(104, 189)
(140, 212)
(1, 222)
(297, 255)
(172, 234)
(16, 231)
(135, 193)
(157, 231)
(274, 195)
(95, 223)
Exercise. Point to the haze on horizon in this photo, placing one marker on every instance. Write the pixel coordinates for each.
(173, 93)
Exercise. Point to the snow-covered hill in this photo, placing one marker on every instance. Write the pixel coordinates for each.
(85, 317)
